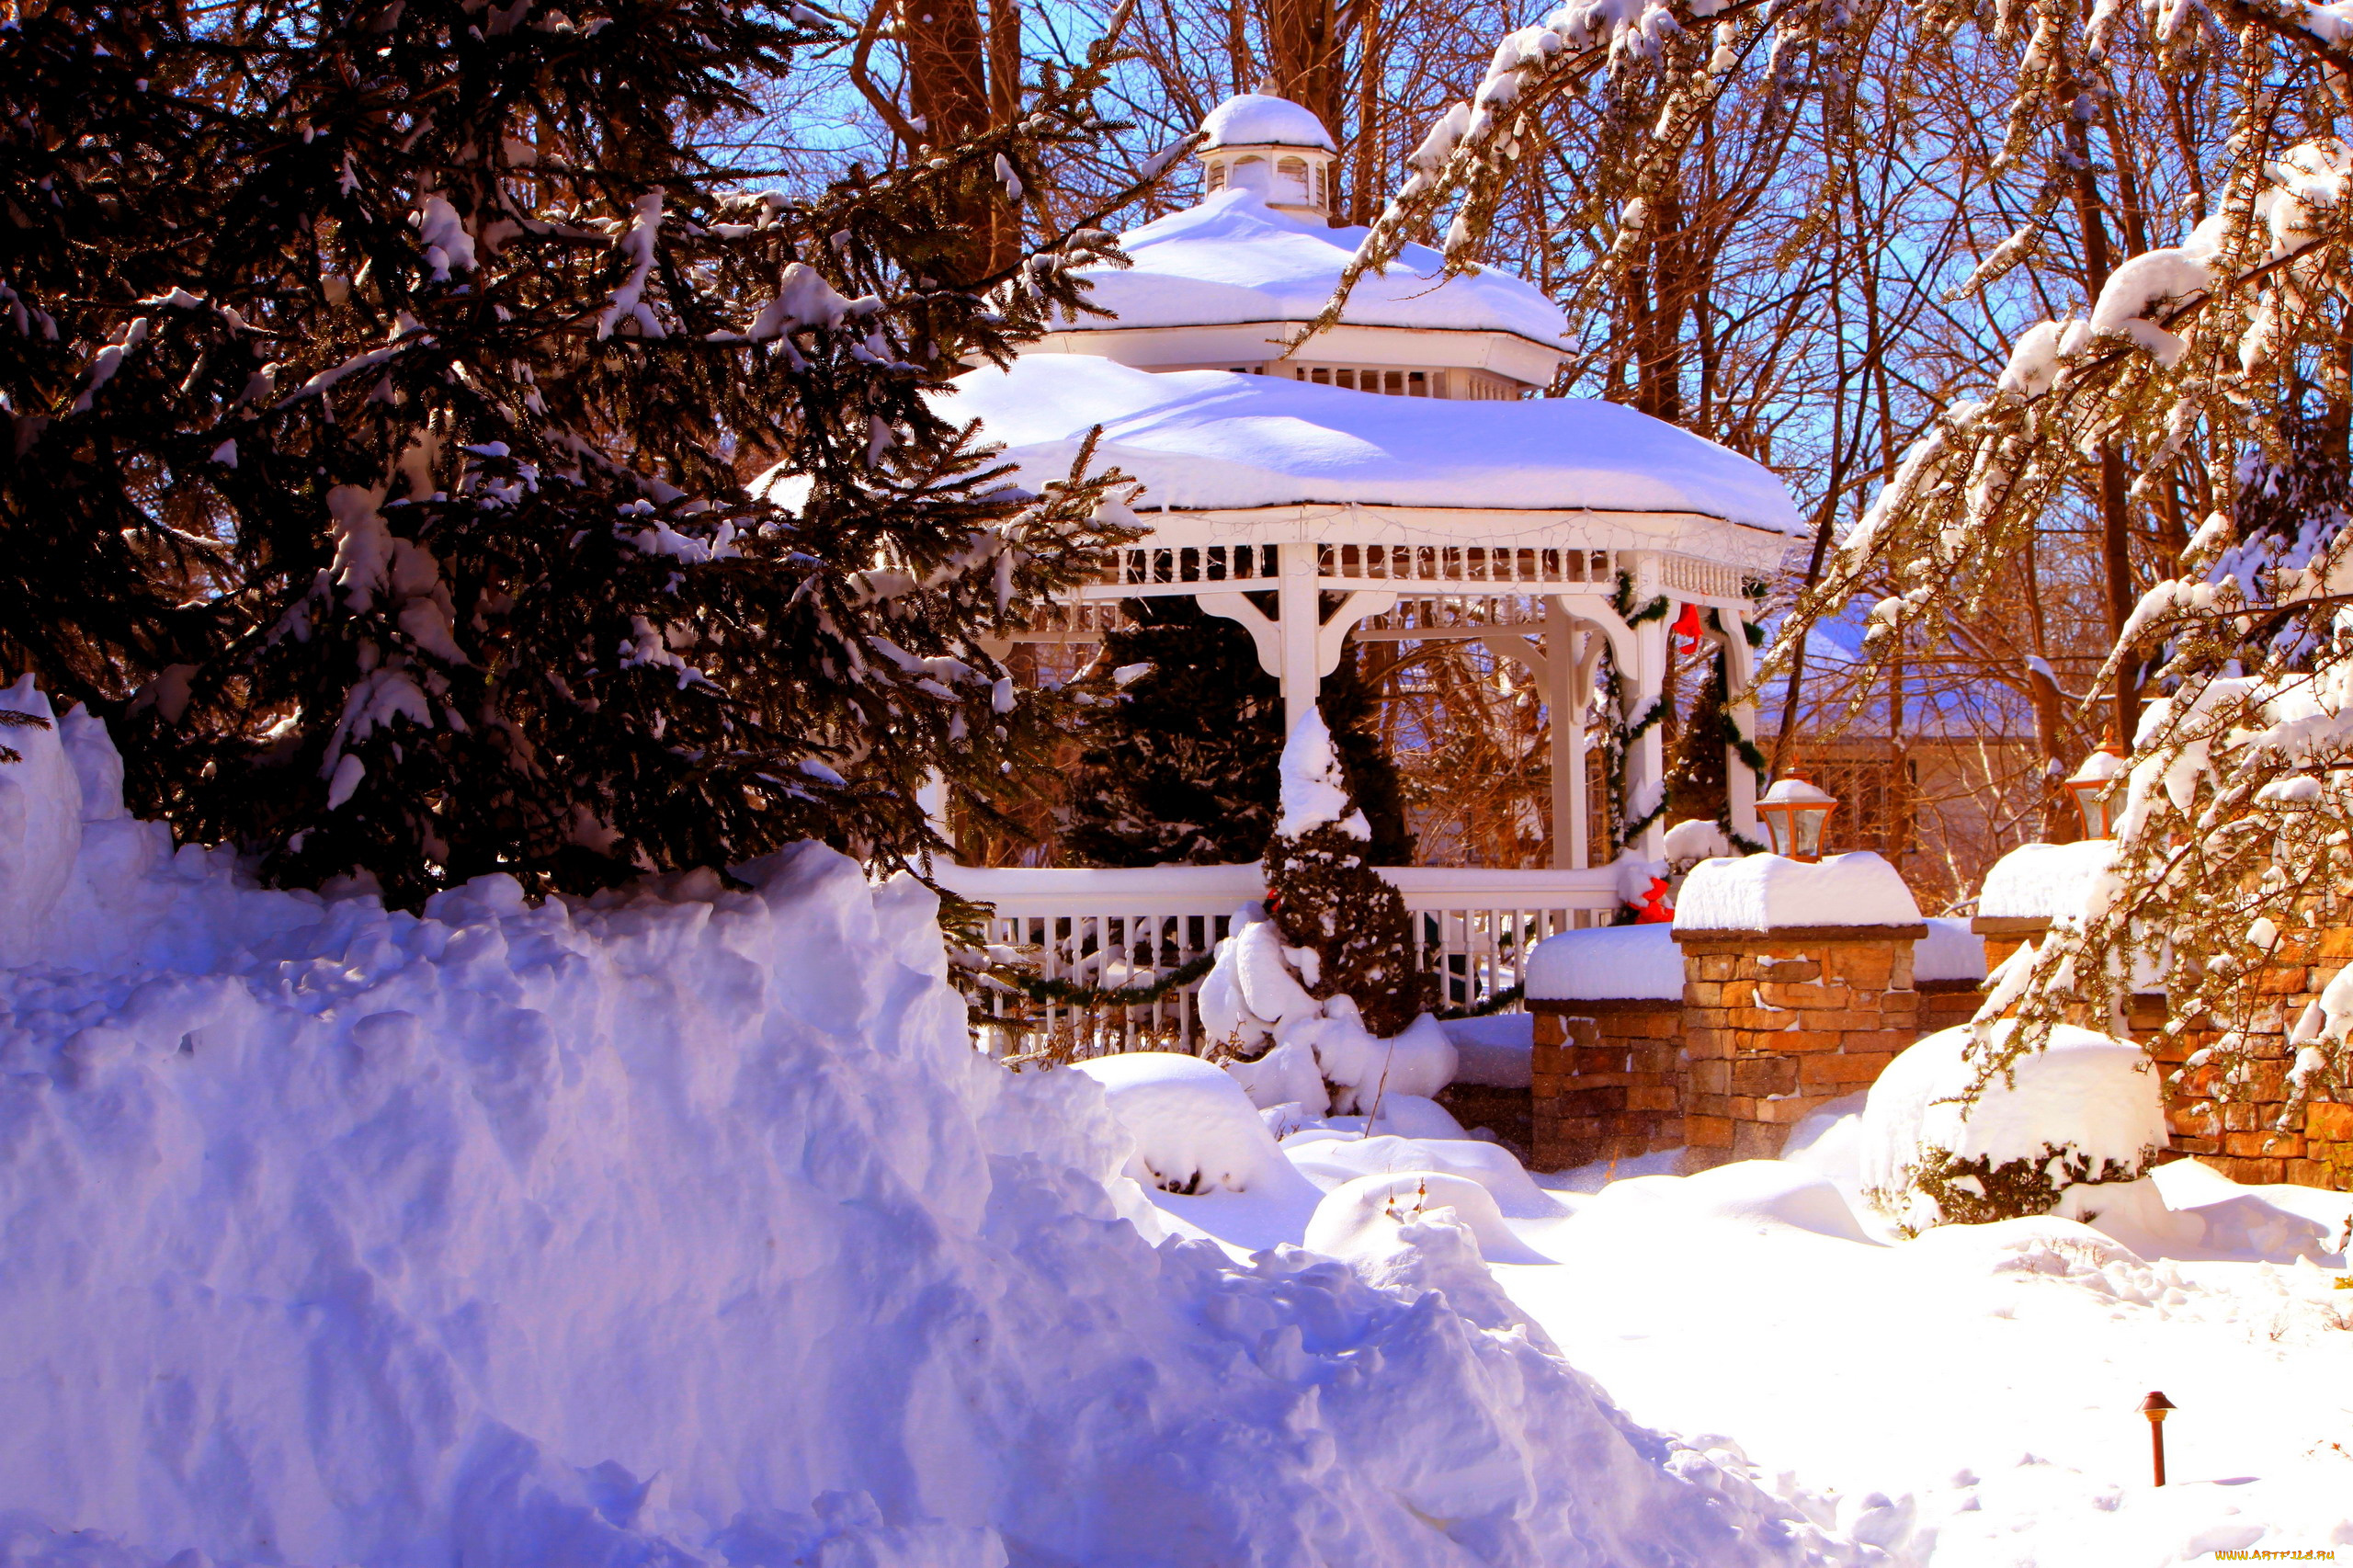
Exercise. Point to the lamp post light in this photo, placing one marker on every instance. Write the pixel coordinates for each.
(2094, 788)
(1793, 812)
(2154, 1407)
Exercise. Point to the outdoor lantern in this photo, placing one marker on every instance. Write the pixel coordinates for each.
(2094, 786)
(1794, 812)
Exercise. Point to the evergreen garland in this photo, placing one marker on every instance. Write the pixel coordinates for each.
(431, 465)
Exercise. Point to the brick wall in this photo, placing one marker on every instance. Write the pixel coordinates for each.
(1778, 1025)
(2234, 1126)
(1608, 1080)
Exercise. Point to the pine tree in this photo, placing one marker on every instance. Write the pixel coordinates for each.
(1323, 895)
(1181, 765)
(464, 473)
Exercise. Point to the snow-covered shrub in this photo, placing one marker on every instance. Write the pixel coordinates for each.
(1325, 898)
(1303, 989)
(1194, 1130)
(1331, 1159)
(2083, 1113)
(1366, 1213)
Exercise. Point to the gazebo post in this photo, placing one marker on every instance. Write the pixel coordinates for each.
(1564, 700)
(1740, 780)
(1299, 617)
(1646, 768)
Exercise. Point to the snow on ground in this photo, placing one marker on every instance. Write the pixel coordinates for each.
(1967, 1400)
(685, 1226)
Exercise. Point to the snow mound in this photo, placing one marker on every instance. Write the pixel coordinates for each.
(1258, 120)
(1195, 1130)
(1756, 1195)
(1331, 1159)
(683, 1225)
(1765, 893)
(1365, 1215)
(2084, 1112)
(2045, 882)
(1211, 439)
(1607, 963)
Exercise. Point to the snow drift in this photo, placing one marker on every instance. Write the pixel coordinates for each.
(683, 1226)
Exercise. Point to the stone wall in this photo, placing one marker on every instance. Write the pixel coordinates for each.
(1608, 1079)
(2235, 1127)
(1772, 1027)
(1776, 1024)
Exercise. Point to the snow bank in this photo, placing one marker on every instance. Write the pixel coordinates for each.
(2045, 882)
(2083, 1112)
(1764, 892)
(1607, 963)
(1211, 438)
(1195, 1130)
(684, 1225)
(1949, 951)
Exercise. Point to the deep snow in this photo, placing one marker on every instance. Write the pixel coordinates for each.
(686, 1226)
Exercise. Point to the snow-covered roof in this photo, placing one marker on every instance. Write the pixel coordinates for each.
(1234, 258)
(1769, 892)
(1261, 119)
(1202, 440)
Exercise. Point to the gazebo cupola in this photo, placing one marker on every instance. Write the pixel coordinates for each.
(1262, 143)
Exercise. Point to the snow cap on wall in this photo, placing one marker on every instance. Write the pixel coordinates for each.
(2045, 882)
(1770, 893)
(1607, 963)
(1263, 119)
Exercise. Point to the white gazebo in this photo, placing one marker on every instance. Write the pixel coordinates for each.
(1387, 479)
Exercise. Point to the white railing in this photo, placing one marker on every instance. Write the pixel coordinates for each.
(1473, 929)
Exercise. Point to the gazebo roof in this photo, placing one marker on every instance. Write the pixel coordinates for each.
(1262, 119)
(1234, 259)
(1205, 440)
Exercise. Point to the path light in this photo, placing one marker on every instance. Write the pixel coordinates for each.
(1794, 812)
(2094, 786)
(2154, 1407)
